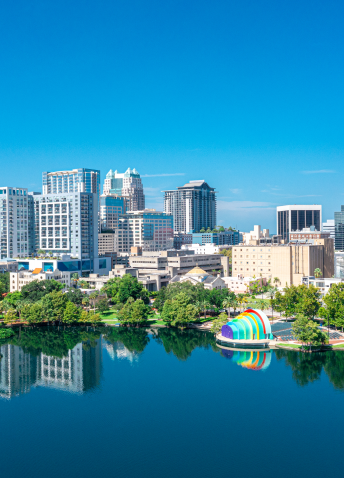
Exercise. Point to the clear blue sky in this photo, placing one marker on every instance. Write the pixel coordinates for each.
(247, 95)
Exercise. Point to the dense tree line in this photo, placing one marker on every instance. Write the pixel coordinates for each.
(44, 301)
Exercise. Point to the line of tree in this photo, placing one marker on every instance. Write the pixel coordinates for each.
(307, 301)
(44, 301)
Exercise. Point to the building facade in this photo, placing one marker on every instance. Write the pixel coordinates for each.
(67, 223)
(330, 227)
(19, 279)
(128, 185)
(229, 238)
(339, 230)
(193, 207)
(100, 265)
(73, 181)
(111, 206)
(289, 263)
(297, 217)
(14, 222)
(150, 229)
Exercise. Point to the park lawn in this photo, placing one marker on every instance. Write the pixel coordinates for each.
(337, 346)
(108, 315)
(293, 346)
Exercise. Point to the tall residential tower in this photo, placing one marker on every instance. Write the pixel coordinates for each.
(193, 207)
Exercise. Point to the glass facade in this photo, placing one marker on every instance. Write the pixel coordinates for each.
(69, 266)
(339, 230)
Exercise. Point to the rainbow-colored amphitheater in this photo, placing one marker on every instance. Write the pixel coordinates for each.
(249, 325)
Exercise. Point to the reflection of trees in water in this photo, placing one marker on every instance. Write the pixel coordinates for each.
(134, 339)
(307, 367)
(182, 342)
(53, 341)
(334, 367)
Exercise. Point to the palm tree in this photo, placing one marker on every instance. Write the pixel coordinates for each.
(317, 272)
(271, 294)
(227, 304)
(276, 281)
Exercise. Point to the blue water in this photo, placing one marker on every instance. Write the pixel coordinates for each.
(175, 406)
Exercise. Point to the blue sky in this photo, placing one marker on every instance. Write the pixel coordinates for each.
(247, 95)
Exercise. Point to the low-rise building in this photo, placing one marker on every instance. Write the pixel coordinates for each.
(308, 234)
(180, 262)
(24, 277)
(205, 249)
(8, 265)
(67, 264)
(288, 262)
(241, 285)
(324, 285)
(228, 238)
(200, 276)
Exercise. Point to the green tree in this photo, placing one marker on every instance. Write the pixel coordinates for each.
(35, 290)
(179, 311)
(83, 284)
(333, 309)
(94, 318)
(35, 313)
(308, 300)
(72, 313)
(286, 303)
(10, 316)
(5, 282)
(308, 332)
(75, 296)
(134, 312)
(317, 272)
(221, 229)
(102, 305)
(12, 298)
(119, 290)
(217, 324)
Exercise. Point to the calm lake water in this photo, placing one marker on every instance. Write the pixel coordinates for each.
(131, 403)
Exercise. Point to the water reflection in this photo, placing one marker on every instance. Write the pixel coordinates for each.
(70, 359)
(33, 358)
(253, 360)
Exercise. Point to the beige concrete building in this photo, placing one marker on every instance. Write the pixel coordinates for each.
(180, 262)
(21, 278)
(106, 243)
(240, 284)
(289, 262)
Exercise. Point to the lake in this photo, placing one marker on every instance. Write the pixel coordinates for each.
(165, 403)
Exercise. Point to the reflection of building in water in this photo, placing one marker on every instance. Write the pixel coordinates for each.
(253, 360)
(78, 372)
(17, 371)
(119, 351)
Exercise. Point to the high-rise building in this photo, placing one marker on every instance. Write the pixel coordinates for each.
(296, 218)
(111, 206)
(150, 229)
(67, 223)
(193, 207)
(339, 230)
(329, 226)
(76, 180)
(126, 184)
(13, 222)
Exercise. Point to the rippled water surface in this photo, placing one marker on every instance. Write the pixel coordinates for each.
(135, 403)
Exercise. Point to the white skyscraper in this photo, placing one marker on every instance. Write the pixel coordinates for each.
(14, 222)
